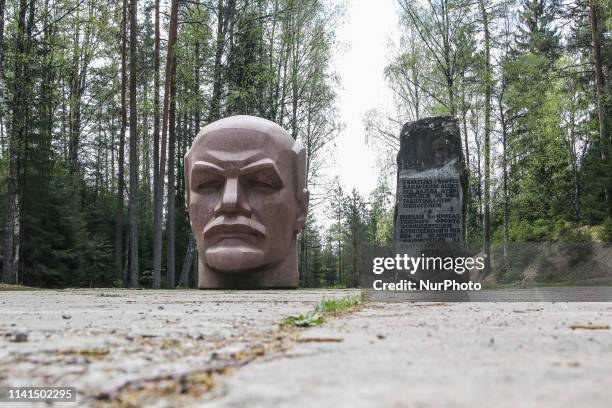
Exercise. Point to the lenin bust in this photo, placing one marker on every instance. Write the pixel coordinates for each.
(246, 197)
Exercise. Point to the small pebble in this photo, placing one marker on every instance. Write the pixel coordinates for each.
(20, 337)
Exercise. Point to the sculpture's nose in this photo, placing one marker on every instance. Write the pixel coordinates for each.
(233, 200)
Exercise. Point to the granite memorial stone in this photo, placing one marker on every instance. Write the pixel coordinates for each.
(431, 185)
(246, 197)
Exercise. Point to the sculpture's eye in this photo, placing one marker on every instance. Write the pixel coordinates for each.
(260, 185)
(210, 186)
(263, 182)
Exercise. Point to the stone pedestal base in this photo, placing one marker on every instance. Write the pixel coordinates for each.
(280, 276)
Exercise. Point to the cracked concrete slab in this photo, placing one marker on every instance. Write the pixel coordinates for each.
(110, 344)
(440, 355)
(225, 349)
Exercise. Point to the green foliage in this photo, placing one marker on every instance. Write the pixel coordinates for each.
(273, 59)
(268, 58)
(536, 32)
(542, 230)
(311, 319)
(381, 214)
(606, 231)
(566, 231)
(355, 232)
(336, 305)
(12, 288)
(324, 307)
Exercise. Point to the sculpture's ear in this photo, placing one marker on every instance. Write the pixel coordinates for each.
(186, 170)
(302, 200)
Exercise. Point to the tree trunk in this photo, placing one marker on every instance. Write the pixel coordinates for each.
(448, 68)
(196, 116)
(220, 44)
(184, 278)
(16, 138)
(487, 138)
(171, 85)
(223, 16)
(574, 160)
(74, 101)
(190, 256)
(2, 12)
(478, 166)
(464, 111)
(145, 152)
(133, 199)
(599, 86)
(504, 130)
(158, 184)
(121, 155)
(295, 38)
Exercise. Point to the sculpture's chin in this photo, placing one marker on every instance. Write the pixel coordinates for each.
(234, 259)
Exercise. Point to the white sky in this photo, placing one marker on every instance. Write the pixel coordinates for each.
(368, 27)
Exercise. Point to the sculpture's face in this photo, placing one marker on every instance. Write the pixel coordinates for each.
(242, 199)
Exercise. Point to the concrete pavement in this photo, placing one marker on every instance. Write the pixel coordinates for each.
(225, 349)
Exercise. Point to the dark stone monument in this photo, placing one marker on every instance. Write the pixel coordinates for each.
(431, 186)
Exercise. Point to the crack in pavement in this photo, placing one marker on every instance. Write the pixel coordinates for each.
(137, 348)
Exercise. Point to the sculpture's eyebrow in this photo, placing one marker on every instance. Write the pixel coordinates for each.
(201, 166)
(263, 164)
(237, 158)
(204, 166)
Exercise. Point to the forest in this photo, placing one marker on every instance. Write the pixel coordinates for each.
(100, 99)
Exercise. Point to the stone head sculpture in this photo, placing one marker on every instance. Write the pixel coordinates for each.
(246, 197)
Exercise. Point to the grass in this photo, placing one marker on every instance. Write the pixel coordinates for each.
(11, 288)
(324, 308)
(310, 319)
(327, 306)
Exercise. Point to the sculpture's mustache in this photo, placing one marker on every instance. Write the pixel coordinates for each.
(223, 224)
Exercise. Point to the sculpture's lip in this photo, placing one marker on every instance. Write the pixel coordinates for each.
(228, 228)
(233, 233)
